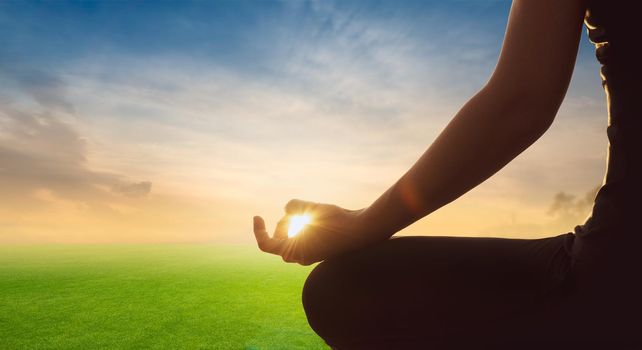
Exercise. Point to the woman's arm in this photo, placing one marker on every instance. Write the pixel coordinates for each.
(514, 109)
(510, 113)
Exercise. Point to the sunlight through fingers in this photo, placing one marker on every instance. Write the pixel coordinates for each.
(297, 223)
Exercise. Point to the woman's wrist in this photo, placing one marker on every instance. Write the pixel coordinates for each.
(392, 212)
(369, 224)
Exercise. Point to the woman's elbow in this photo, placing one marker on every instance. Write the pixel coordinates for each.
(531, 120)
(524, 115)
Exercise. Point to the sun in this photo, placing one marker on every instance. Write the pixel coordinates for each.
(297, 222)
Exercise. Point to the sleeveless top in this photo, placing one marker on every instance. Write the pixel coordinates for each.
(611, 26)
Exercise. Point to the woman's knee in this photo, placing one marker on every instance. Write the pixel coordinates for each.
(337, 290)
(324, 300)
(315, 299)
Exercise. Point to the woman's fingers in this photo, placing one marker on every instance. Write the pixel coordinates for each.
(267, 244)
(295, 206)
(281, 230)
(260, 232)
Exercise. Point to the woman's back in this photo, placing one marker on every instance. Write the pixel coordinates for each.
(605, 249)
(611, 26)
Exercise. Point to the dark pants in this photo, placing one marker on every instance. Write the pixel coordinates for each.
(452, 293)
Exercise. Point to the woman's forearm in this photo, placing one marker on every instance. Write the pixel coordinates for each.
(486, 134)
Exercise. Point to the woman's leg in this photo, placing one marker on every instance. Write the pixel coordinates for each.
(422, 290)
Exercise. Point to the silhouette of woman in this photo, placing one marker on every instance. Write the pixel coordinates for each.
(578, 289)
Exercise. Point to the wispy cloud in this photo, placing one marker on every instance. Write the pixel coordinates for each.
(41, 150)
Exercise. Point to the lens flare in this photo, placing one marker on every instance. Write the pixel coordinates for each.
(297, 223)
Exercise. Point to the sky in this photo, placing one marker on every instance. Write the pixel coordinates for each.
(141, 121)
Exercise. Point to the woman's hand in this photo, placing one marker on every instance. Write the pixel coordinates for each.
(331, 231)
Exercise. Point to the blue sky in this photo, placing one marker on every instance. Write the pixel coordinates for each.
(209, 112)
(227, 32)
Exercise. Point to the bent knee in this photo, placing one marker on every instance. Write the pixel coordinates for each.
(323, 300)
(314, 298)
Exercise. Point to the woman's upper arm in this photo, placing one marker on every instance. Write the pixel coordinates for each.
(538, 55)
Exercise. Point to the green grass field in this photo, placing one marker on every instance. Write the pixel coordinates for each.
(150, 296)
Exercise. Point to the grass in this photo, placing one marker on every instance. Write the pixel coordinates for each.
(152, 297)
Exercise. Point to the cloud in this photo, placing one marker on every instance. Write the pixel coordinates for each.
(139, 189)
(568, 208)
(46, 89)
(40, 149)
